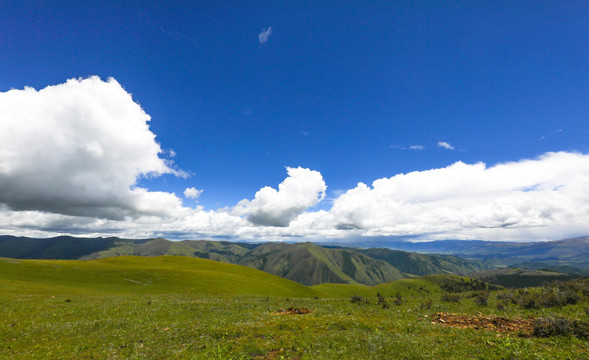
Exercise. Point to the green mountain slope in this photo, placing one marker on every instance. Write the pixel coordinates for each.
(305, 263)
(520, 278)
(421, 264)
(567, 252)
(149, 275)
(176, 275)
(310, 264)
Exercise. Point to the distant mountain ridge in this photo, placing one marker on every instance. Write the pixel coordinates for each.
(572, 252)
(305, 263)
(520, 278)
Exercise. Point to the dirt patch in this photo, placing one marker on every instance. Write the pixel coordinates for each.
(489, 323)
(278, 354)
(293, 311)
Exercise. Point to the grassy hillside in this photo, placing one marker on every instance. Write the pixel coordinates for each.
(174, 307)
(166, 274)
(310, 264)
(520, 278)
(421, 264)
(305, 263)
(420, 287)
(568, 252)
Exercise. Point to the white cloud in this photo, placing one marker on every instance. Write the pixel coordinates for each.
(78, 148)
(519, 200)
(71, 155)
(303, 188)
(445, 145)
(192, 193)
(405, 147)
(264, 35)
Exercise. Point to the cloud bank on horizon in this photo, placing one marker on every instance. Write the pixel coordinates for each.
(71, 156)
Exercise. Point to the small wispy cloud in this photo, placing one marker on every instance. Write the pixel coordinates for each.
(445, 145)
(264, 35)
(405, 147)
(192, 193)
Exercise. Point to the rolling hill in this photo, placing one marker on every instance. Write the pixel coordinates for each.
(126, 275)
(310, 264)
(305, 263)
(422, 264)
(521, 278)
(149, 275)
(567, 252)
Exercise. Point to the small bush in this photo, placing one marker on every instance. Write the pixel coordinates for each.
(426, 305)
(557, 325)
(570, 297)
(482, 298)
(529, 301)
(581, 329)
(382, 301)
(456, 285)
(398, 299)
(551, 326)
(505, 297)
(451, 298)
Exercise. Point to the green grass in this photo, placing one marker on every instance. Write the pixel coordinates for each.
(186, 308)
(143, 275)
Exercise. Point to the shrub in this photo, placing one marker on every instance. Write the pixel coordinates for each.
(557, 325)
(456, 285)
(581, 329)
(398, 299)
(356, 299)
(570, 297)
(451, 298)
(505, 297)
(382, 301)
(482, 298)
(426, 305)
(552, 326)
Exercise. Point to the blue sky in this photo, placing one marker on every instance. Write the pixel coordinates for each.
(357, 92)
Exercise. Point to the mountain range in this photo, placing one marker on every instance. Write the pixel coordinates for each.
(306, 263)
(558, 254)
(311, 264)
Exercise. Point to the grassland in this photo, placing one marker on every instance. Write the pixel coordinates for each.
(186, 308)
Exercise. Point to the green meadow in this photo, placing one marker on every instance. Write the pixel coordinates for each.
(175, 307)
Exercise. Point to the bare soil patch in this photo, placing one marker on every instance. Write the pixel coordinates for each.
(489, 323)
(293, 311)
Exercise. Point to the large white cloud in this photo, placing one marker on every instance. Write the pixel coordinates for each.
(78, 148)
(506, 201)
(302, 189)
(71, 155)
